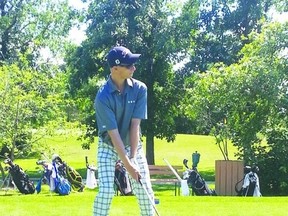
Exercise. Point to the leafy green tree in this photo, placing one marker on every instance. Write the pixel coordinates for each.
(271, 47)
(32, 105)
(281, 6)
(144, 27)
(215, 31)
(249, 95)
(27, 26)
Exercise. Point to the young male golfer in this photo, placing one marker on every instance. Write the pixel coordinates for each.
(120, 105)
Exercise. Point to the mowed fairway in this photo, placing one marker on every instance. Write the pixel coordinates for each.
(80, 204)
(15, 204)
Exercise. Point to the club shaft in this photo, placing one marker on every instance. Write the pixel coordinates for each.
(172, 169)
(149, 197)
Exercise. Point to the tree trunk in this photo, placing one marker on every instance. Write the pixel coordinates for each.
(151, 117)
(150, 147)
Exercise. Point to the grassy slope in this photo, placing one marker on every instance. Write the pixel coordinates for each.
(184, 146)
(69, 148)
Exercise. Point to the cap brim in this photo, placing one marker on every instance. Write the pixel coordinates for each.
(134, 58)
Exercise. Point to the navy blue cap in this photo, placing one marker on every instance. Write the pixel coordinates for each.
(120, 55)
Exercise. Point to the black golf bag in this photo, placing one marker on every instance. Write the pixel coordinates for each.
(196, 182)
(121, 180)
(249, 182)
(20, 178)
(70, 173)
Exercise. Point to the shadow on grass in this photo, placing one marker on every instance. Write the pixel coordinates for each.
(163, 187)
(6, 195)
(167, 189)
(208, 175)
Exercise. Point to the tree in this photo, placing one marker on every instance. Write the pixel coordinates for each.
(32, 88)
(249, 95)
(143, 27)
(29, 101)
(33, 105)
(215, 31)
(27, 26)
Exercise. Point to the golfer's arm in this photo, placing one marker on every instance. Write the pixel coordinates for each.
(134, 136)
(119, 146)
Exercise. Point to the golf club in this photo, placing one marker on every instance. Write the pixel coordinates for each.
(150, 199)
(184, 185)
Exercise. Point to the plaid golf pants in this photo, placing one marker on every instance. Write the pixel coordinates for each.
(107, 157)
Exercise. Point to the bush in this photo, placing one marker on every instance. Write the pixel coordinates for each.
(274, 164)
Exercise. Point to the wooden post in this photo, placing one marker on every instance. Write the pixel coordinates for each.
(227, 174)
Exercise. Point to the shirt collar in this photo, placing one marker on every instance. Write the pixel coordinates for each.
(113, 87)
(129, 82)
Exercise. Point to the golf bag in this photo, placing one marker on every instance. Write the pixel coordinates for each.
(121, 179)
(70, 173)
(46, 177)
(57, 183)
(196, 182)
(250, 186)
(20, 178)
(91, 181)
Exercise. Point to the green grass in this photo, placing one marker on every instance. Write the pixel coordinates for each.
(13, 203)
(69, 148)
(80, 204)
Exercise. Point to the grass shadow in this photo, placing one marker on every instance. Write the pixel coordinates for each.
(208, 175)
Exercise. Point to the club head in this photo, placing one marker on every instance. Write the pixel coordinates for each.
(7, 161)
(185, 161)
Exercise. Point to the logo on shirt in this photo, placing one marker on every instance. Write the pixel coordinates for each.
(131, 101)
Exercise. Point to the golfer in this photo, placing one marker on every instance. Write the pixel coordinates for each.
(120, 105)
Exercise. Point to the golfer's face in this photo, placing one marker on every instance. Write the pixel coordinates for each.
(127, 71)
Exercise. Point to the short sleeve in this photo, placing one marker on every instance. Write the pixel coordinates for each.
(140, 109)
(105, 116)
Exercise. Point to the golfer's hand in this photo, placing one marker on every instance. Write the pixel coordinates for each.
(134, 170)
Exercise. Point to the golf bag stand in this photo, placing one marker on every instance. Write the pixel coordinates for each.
(7, 180)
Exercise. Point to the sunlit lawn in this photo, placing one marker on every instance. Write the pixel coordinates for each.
(80, 204)
(13, 203)
(69, 148)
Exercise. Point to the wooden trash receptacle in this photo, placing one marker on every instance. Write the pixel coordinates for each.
(227, 174)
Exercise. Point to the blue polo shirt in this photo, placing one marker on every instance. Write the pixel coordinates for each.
(114, 110)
